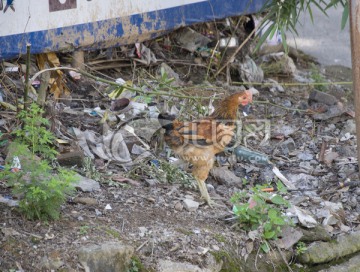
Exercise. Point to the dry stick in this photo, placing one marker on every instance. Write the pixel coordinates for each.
(294, 84)
(236, 51)
(26, 90)
(110, 83)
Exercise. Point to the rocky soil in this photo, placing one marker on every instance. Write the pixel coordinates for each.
(151, 209)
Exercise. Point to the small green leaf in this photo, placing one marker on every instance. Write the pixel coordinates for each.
(277, 199)
(269, 235)
(345, 15)
(265, 247)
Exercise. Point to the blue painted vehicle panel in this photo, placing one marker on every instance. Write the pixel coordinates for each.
(73, 24)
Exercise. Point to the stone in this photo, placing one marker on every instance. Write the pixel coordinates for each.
(349, 127)
(351, 264)
(287, 146)
(110, 257)
(85, 200)
(191, 40)
(322, 252)
(170, 266)
(318, 233)
(289, 237)
(191, 205)
(305, 156)
(330, 220)
(332, 206)
(71, 158)
(51, 263)
(322, 97)
(224, 176)
(178, 206)
(86, 184)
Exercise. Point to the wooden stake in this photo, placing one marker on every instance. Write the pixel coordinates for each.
(26, 90)
(355, 59)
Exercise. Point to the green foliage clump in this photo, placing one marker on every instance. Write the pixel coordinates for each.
(284, 14)
(300, 248)
(35, 133)
(163, 172)
(318, 79)
(41, 188)
(42, 191)
(136, 265)
(261, 211)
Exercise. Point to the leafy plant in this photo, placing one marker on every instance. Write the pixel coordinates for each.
(42, 191)
(261, 211)
(283, 15)
(162, 171)
(135, 265)
(35, 133)
(318, 78)
(41, 188)
(300, 248)
(83, 230)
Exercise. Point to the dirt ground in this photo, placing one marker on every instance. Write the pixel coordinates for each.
(150, 216)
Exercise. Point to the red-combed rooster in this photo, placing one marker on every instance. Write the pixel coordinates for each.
(199, 141)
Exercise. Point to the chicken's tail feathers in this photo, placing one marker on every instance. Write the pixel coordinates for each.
(166, 120)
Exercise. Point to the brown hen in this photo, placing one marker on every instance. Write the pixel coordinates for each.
(199, 141)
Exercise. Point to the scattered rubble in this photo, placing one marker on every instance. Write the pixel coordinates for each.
(136, 193)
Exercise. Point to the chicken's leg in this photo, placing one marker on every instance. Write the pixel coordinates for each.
(204, 192)
(200, 173)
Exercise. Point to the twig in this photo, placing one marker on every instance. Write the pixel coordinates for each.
(322, 151)
(294, 83)
(26, 91)
(112, 83)
(284, 259)
(211, 60)
(142, 245)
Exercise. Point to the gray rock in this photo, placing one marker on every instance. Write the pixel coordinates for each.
(349, 127)
(191, 205)
(330, 220)
(318, 233)
(170, 266)
(191, 40)
(289, 237)
(51, 263)
(267, 174)
(109, 257)
(333, 111)
(305, 156)
(327, 251)
(276, 87)
(286, 130)
(287, 146)
(287, 103)
(352, 264)
(347, 151)
(224, 176)
(86, 184)
(321, 97)
(85, 200)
